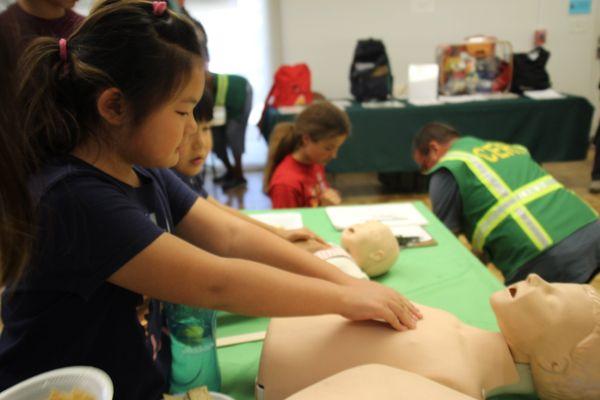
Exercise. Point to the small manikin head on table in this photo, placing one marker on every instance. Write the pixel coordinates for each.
(372, 245)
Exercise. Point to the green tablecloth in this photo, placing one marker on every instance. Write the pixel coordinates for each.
(552, 130)
(446, 276)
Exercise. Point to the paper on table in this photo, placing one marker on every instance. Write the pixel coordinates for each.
(392, 215)
(501, 96)
(290, 109)
(543, 94)
(383, 104)
(281, 220)
(427, 102)
(463, 98)
(467, 98)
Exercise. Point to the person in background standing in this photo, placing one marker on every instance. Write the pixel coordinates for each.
(233, 97)
(25, 20)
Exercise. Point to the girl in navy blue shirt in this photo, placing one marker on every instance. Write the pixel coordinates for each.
(104, 110)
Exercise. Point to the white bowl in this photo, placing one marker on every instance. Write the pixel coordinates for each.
(91, 380)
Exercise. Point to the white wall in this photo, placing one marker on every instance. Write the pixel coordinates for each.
(323, 33)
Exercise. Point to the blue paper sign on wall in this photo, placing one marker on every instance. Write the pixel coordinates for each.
(578, 7)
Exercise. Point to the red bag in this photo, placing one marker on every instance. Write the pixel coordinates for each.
(291, 86)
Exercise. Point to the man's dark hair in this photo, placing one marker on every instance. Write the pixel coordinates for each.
(437, 131)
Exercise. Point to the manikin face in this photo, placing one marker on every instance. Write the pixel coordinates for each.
(539, 319)
(324, 150)
(194, 149)
(372, 245)
(156, 142)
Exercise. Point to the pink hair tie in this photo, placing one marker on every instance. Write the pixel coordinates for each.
(62, 47)
(159, 7)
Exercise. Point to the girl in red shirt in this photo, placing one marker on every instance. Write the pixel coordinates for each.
(298, 152)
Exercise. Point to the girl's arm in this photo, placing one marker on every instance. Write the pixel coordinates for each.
(170, 269)
(221, 233)
(218, 232)
(330, 197)
(291, 235)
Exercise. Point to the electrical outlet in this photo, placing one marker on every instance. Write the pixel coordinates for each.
(539, 37)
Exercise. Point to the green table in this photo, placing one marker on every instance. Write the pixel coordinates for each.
(552, 130)
(446, 276)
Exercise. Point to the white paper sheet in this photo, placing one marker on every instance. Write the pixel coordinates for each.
(383, 104)
(392, 215)
(425, 102)
(286, 110)
(281, 220)
(543, 94)
(467, 98)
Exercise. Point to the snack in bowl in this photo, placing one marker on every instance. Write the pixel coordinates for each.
(75, 394)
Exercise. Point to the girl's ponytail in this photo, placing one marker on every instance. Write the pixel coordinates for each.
(16, 217)
(44, 100)
(283, 140)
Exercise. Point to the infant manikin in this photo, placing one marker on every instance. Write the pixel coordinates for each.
(549, 343)
(340, 258)
(372, 245)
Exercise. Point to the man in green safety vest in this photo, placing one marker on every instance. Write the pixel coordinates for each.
(508, 207)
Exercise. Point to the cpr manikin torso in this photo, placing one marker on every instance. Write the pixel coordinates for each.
(299, 352)
(385, 383)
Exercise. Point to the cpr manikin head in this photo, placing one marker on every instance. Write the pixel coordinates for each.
(555, 328)
(372, 245)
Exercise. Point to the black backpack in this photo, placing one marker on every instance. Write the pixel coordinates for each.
(530, 71)
(370, 72)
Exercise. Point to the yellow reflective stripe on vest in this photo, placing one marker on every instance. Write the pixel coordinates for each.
(487, 176)
(501, 191)
(512, 205)
(222, 84)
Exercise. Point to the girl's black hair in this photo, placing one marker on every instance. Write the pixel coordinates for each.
(203, 112)
(16, 216)
(121, 44)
